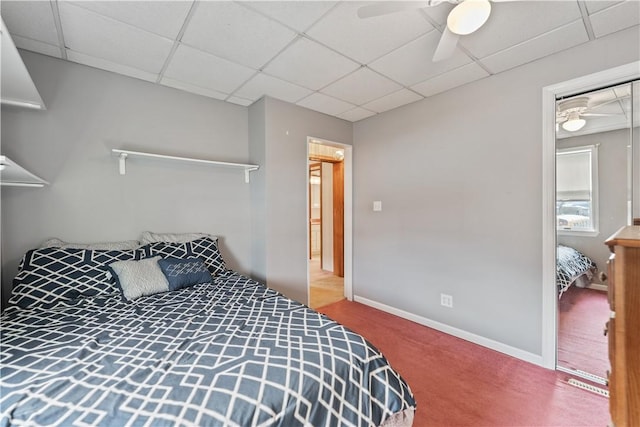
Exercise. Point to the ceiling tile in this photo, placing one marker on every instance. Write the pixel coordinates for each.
(207, 71)
(164, 18)
(103, 64)
(616, 18)
(299, 15)
(412, 63)
(514, 22)
(458, 77)
(393, 100)
(356, 114)
(546, 44)
(361, 86)
(597, 5)
(325, 104)
(30, 19)
(365, 39)
(262, 84)
(100, 37)
(36, 46)
(231, 31)
(240, 101)
(176, 84)
(308, 64)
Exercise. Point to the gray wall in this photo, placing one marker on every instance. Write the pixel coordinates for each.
(282, 187)
(459, 177)
(91, 111)
(612, 192)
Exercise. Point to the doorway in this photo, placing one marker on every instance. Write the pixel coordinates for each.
(550, 95)
(327, 182)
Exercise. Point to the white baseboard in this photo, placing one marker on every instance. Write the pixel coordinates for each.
(467, 336)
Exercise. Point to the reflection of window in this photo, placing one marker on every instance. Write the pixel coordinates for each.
(576, 189)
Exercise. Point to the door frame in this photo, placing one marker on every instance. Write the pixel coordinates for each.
(586, 83)
(348, 213)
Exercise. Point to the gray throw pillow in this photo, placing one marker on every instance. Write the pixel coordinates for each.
(139, 278)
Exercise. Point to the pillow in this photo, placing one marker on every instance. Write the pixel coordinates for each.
(110, 246)
(205, 248)
(50, 275)
(139, 278)
(149, 237)
(182, 273)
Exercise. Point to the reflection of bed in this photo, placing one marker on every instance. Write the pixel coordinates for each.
(230, 352)
(573, 267)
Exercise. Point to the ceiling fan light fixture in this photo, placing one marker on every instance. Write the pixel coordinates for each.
(574, 123)
(468, 16)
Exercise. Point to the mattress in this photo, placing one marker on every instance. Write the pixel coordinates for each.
(230, 353)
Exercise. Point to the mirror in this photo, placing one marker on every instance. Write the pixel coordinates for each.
(597, 192)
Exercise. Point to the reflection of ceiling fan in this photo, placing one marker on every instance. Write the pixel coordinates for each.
(465, 18)
(570, 112)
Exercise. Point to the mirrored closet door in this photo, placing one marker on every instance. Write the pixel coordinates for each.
(597, 192)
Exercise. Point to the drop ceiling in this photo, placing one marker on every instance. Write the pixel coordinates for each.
(316, 54)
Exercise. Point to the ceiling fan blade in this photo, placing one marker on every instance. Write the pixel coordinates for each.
(387, 7)
(446, 46)
(600, 114)
(610, 101)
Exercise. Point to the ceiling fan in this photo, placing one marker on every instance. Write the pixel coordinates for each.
(465, 18)
(570, 112)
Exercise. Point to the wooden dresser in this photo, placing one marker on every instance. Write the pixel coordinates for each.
(624, 327)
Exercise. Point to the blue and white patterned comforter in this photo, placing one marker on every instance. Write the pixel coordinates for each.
(230, 353)
(571, 264)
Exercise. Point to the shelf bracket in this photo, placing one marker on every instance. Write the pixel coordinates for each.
(123, 163)
(247, 172)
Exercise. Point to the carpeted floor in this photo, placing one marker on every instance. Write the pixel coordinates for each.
(582, 345)
(457, 383)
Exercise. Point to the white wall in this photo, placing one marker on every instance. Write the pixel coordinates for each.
(91, 111)
(279, 191)
(459, 176)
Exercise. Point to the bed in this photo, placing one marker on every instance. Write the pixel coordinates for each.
(573, 268)
(231, 352)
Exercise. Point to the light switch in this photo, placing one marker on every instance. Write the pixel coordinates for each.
(377, 206)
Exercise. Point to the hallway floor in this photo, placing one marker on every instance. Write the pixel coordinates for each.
(325, 288)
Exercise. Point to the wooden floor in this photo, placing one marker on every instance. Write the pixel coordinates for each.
(324, 287)
(582, 344)
(457, 383)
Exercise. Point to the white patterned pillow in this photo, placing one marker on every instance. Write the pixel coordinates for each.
(50, 275)
(108, 246)
(139, 278)
(150, 237)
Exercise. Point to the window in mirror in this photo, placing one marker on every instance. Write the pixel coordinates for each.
(576, 194)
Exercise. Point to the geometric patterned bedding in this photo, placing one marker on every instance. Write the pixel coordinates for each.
(231, 353)
(571, 264)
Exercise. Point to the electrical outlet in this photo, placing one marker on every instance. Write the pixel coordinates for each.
(446, 300)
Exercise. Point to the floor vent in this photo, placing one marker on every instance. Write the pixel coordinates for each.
(589, 387)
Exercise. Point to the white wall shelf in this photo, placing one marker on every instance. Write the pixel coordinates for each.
(16, 86)
(124, 154)
(12, 174)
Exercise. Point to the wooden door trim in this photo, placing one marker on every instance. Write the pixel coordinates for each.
(338, 219)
